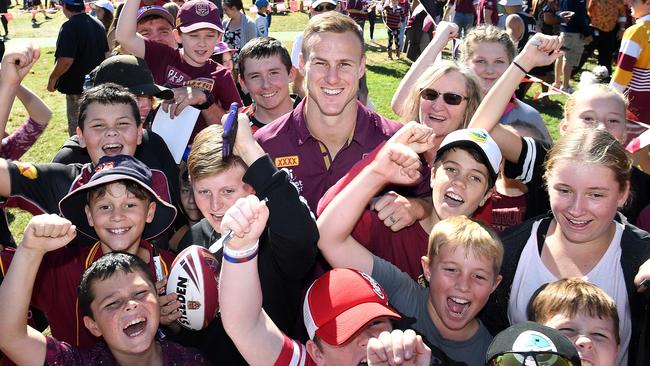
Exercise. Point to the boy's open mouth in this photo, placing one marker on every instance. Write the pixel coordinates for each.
(112, 149)
(119, 230)
(135, 327)
(457, 306)
(453, 200)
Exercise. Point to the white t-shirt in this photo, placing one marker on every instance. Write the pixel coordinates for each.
(295, 51)
(607, 274)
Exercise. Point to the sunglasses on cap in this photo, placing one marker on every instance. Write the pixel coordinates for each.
(530, 359)
(449, 98)
(325, 7)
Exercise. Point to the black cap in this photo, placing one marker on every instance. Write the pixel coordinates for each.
(530, 337)
(130, 72)
(111, 169)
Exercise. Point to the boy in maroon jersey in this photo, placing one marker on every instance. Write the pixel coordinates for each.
(117, 297)
(117, 208)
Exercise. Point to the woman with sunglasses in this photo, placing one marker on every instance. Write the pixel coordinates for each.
(587, 173)
(487, 51)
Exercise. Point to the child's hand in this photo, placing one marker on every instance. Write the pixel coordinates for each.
(183, 97)
(397, 163)
(448, 28)
(168, 305)
(247, 219)
(45, 233)
(244, 140)
(394, 210)
(415, 136)
(540, 50)
(17, 62)
(398, 348)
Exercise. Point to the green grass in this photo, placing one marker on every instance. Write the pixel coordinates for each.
(383, 76)
(21, 25)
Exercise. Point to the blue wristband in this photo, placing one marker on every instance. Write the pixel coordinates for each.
(240, 260)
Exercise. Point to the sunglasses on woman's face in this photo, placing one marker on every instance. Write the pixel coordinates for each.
(449, 98)
(325, 7)
(530, 359)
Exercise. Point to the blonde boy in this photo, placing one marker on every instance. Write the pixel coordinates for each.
(585, 314)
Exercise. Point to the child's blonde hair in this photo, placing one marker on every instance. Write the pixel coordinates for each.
(590, 92)
(471, 235)
(591, 146)
(486, 33)
(570, 296)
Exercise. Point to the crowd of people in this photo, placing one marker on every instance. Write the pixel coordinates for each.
(462, 234)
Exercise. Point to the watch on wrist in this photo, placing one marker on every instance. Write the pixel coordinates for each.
(209, 101)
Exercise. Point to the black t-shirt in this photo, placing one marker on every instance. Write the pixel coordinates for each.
(530, 26)
(82, 38)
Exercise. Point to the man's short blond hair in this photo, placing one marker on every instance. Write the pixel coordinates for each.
(463, 232)
(330, 22)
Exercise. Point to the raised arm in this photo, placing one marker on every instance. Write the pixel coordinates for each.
(21, 343)
(125, 33)
(397, 162)
(539, 51)
(292, 229)
(257, 338)
(444, 32)
(15, 64)
(35, 106)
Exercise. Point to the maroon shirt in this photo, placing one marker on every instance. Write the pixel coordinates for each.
(358, 5)
(502, 212)
(62, 353)
(288, 141)
(403, 248)
(55, 288)
(463, 6)
(487, 5)
(170, 69)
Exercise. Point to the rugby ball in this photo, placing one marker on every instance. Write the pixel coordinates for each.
(194, 277)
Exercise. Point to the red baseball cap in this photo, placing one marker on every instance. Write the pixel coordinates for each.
(198, 14)
(341, 302)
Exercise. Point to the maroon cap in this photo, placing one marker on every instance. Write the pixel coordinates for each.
(198, 14)
(341, 302)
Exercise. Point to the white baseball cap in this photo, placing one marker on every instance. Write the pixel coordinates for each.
(477, 138)
(315, 3)
(105, 4)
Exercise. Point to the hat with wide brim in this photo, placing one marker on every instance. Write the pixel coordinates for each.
(112, 169)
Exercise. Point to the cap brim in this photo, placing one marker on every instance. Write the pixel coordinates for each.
(316, 3)
(200, 25)
(340, 329)
(468, 143)
(159, 12)
(153, 90)
(72, 207)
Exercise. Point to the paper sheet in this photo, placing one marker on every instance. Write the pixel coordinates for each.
(176, 132)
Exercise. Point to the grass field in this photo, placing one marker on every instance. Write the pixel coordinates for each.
(383, 77)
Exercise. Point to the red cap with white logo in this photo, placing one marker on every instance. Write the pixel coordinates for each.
(341, 302)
